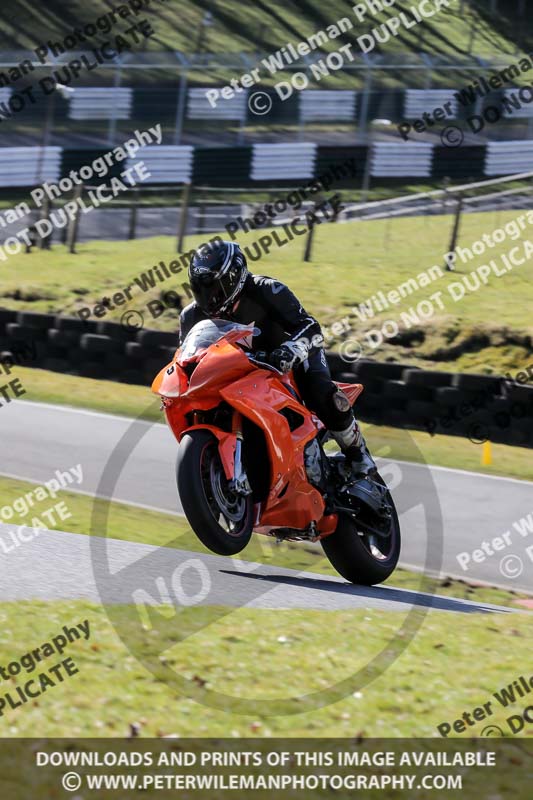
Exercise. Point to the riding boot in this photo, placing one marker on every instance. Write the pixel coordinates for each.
(353, 445)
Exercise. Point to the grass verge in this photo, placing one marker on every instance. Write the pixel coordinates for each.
(264, 655)
(470, 327)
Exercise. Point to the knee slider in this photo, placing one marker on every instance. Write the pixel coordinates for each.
(340, 401)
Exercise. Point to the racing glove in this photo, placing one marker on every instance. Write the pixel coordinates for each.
(287, 356)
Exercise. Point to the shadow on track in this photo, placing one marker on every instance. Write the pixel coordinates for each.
(383, 593)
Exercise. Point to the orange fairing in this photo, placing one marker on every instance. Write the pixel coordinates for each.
(269, 396)
(226, 446)
(351, 390)
(223, 372)
(170, 382)
(292, 500)
(222, 364)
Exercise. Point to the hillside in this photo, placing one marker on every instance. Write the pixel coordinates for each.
(467, 27)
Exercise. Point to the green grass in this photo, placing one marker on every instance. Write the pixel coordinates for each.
(265, 28)
(106, 396)
(488, 331)
(132, 524)
(265, 656)
(381, 189)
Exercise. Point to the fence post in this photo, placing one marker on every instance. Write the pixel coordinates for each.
(365, 188)
(180, 106)
(32, 235)
(309, 243)
(112, 129)
(365, 104)
(455, 232)
(184, 210)
(44, 241)
(75, 221)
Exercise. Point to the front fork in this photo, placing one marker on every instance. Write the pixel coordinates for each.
(230, 449)
(239, 483)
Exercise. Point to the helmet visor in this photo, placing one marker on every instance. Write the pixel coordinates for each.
(208, 293)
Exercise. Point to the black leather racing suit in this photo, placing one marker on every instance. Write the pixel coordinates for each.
(280, 317)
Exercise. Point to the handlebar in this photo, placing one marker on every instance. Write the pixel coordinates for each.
(260, 357)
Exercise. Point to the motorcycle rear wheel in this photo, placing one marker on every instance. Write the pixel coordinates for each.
(360, 558)
(222, 520)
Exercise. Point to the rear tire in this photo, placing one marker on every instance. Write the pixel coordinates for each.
(355, 558)
(222, 520)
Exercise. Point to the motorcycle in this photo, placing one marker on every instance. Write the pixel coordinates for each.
(252, 457)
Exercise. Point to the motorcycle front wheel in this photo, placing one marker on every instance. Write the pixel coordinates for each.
(222, 519)
(360, 557)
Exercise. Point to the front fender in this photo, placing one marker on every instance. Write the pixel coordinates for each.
(226, 446)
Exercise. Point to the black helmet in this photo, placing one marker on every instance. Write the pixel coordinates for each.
(217, 273)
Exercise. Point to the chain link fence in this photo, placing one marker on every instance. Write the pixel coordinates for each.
(160, 88)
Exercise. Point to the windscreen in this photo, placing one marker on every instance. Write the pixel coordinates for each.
(206, 333)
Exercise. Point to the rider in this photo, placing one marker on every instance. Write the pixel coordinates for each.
(223, 288)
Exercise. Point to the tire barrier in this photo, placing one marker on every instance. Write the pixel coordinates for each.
(234, 165)
(478, 407)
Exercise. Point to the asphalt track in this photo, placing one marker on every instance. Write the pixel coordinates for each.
(60, 566)
(38, 439)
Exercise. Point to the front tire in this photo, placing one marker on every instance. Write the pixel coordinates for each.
(360, 558)
(222, 520)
